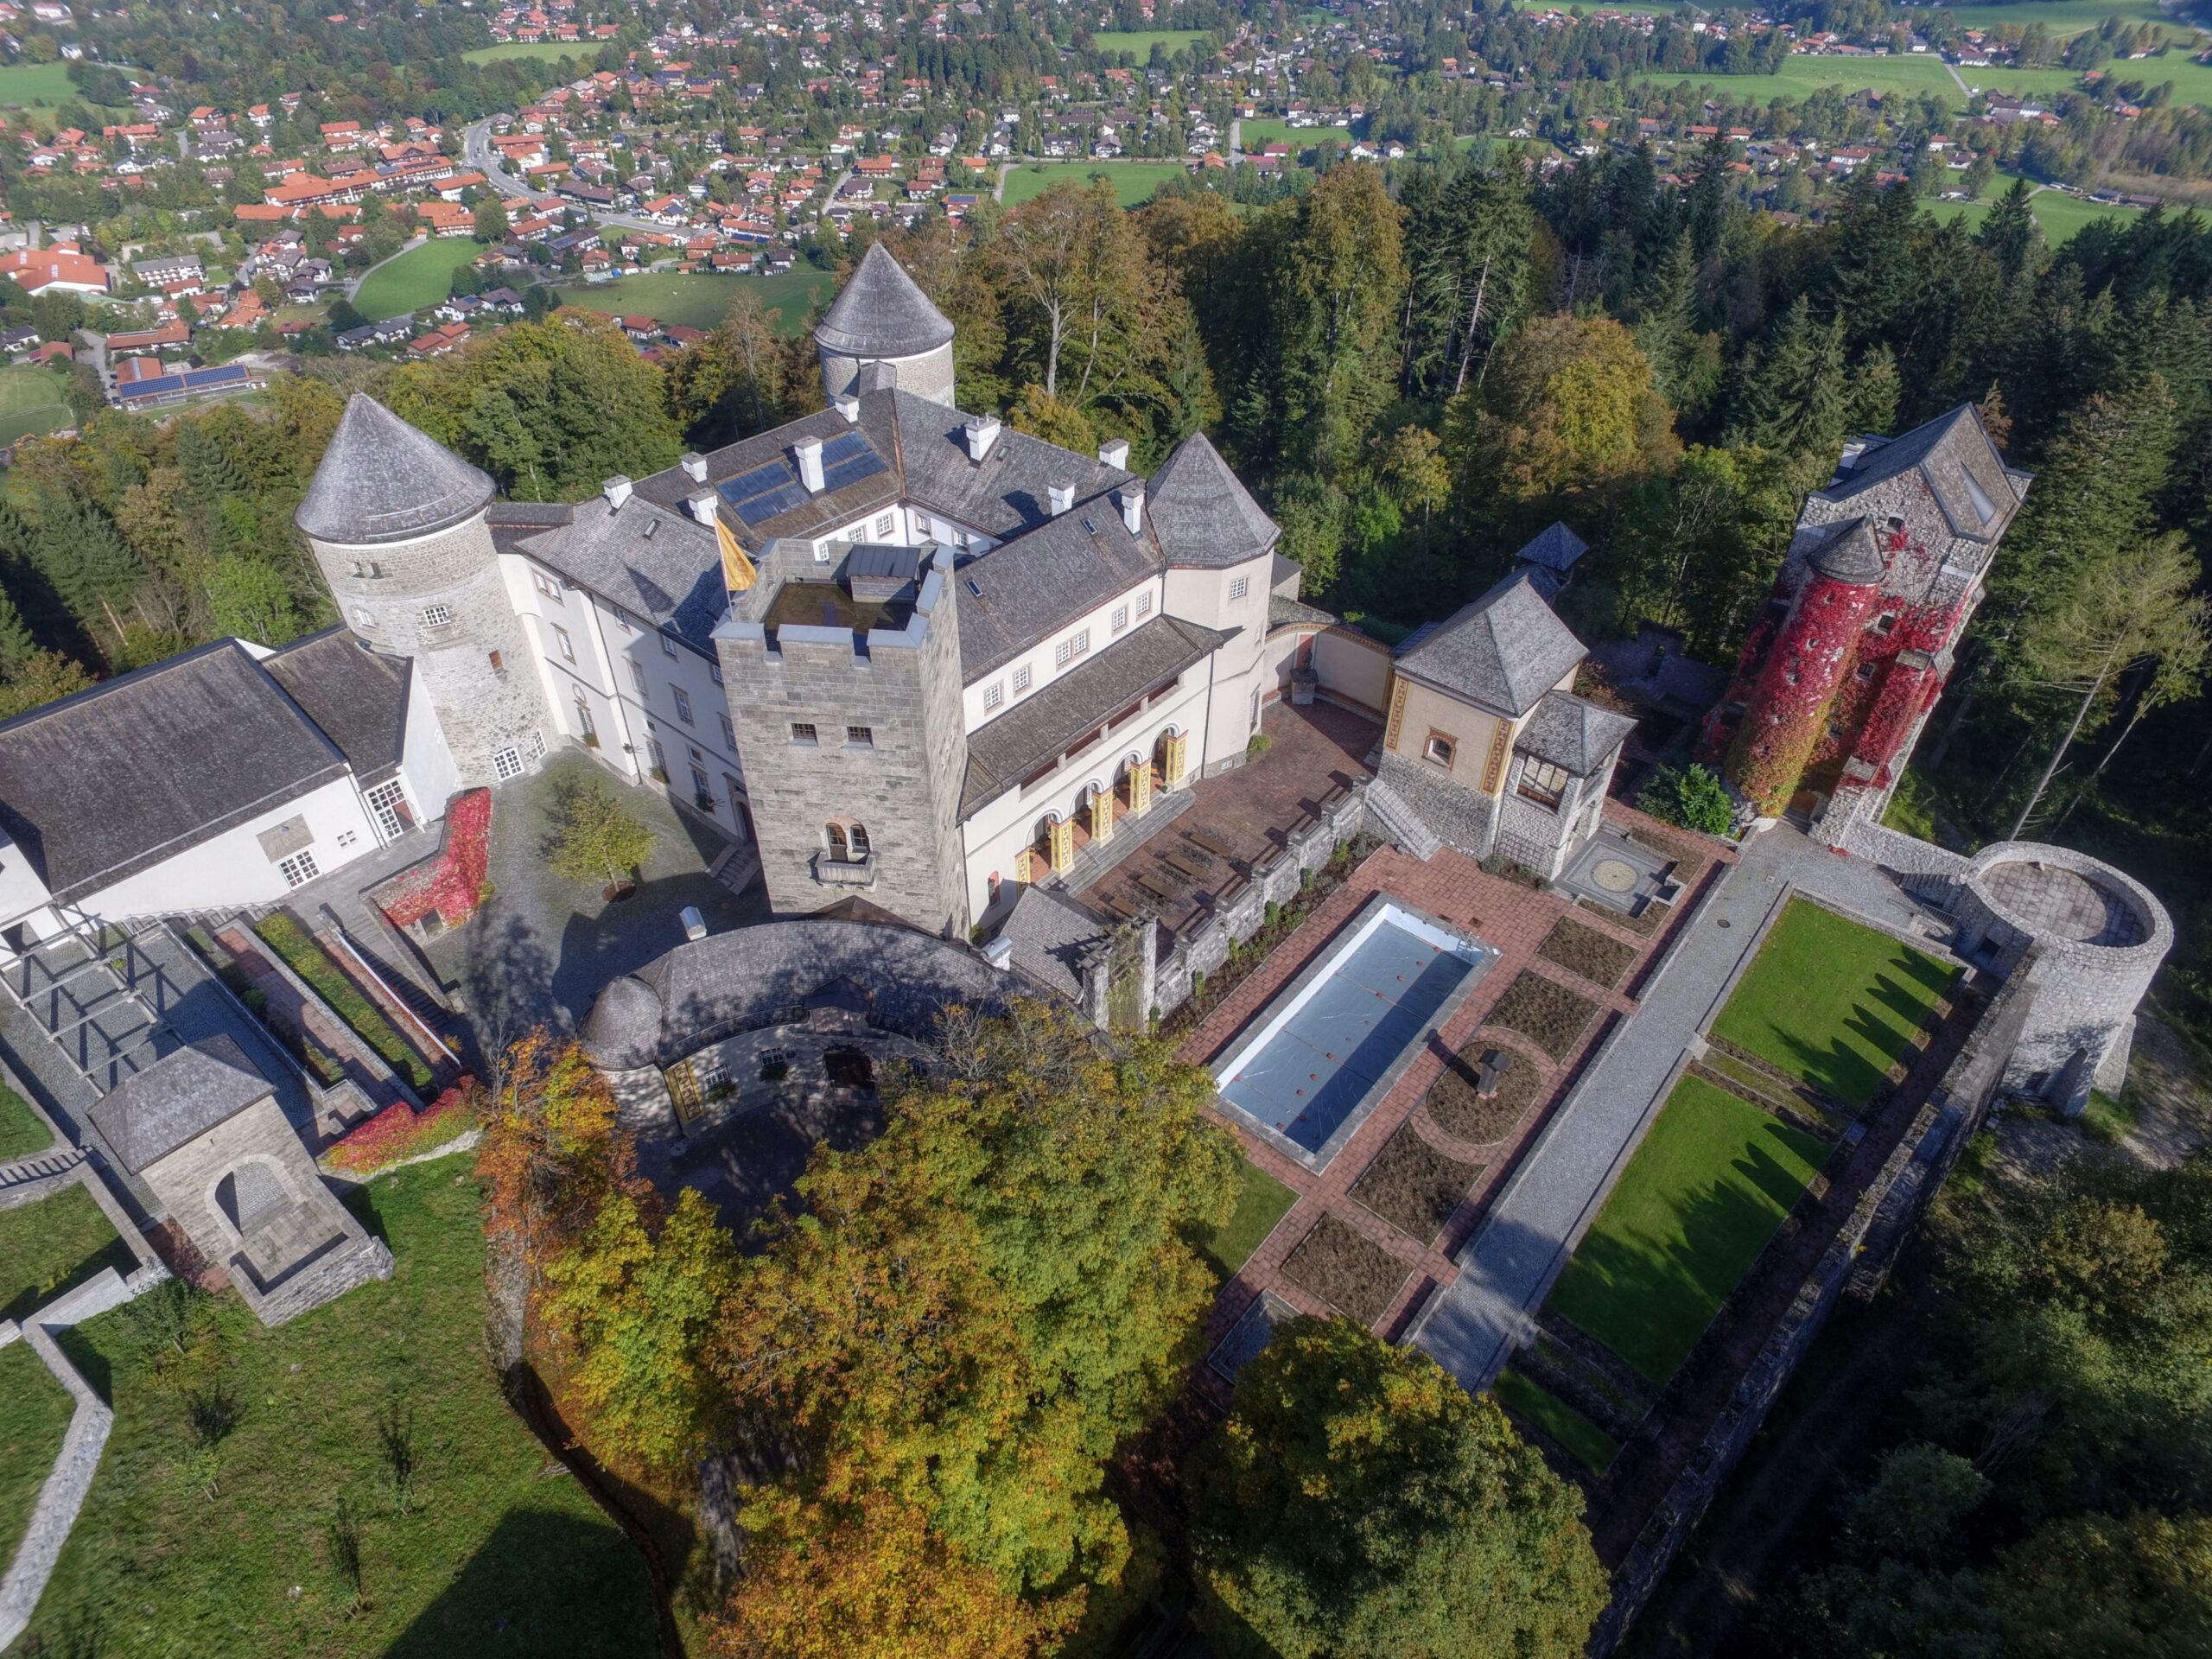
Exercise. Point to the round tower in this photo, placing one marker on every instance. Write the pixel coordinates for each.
(396, 523)
(1788, 709)
(883, 322)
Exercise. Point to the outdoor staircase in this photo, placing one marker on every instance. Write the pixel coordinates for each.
(1400, 822)
(1130, 832)
(41, 1166)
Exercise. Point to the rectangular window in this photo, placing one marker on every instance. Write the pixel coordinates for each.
(883, 528)
(667, 647)
(860, 737)
(658, 757)
(623, 617)
(388, 803)
(703, 792)
(1144, 605)
(638, 676)
(682, 704)
(298, 870)
(436, 616)
(348, 837)
(994, 694)
(547, 586)
(714, 672)
(568, 647)
(802, 732)
(506, 765)
(1020, 679)
(1121, 618)
(1542, 782)
(1239, 587)
(730, 732)
(1071, 647)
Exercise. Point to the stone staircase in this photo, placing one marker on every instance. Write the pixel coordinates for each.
(1400, 822)
(41, 1166)
(1130, 833)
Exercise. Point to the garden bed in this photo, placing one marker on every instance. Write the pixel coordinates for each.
(53, 1244)
(306, 958)
(1544, 1011)
(1560, 1422)
(1598, 958)
(1644, 923)
(1413, 1185)
(1464, 1115)
(1345, 1269)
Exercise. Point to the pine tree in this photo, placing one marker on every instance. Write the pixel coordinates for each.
(86, 559)
(1798, 394)
(2010, 231)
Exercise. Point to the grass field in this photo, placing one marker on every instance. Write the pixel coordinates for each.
(1262, 1201)
(1697, 1203)
(53, 1245)
(2060, 214)
(34, 1415)
(1801, 76)
(1832, 1003)
(418, 277)
(1265, 130)
(38, 86)
(699, 299)
(1133, 181)
(490, 1549)
(31, 401)
(21, 1133)
(534, 51)
(2060, 16)
(1556, 1418)
(1140, 42)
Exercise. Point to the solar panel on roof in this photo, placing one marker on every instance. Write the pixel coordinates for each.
(843, 445)
(851, 471)
(763, 493)
(758, 482)
(762, 508)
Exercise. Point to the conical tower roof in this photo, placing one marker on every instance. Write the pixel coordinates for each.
(382, 480)
(1203, 516)
(882, 312)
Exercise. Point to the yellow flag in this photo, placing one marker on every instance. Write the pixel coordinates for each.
(738, 573)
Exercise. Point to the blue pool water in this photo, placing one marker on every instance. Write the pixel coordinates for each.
(1354, 1022)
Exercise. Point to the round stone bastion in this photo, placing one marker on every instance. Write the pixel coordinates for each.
(2091, 936)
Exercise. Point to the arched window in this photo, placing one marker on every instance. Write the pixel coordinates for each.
(849, 842)
(837, 850)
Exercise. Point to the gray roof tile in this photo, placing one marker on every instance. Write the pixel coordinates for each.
(1573, 732)
(1503, 650)
(382, 480)
(1205, 519)
(358, 698)
(882, 312)
(1846, 552)
(1555, 548)
(1050, 935)
(1024, 590)
(181, 1095)
(664, 566)
(1978, 493)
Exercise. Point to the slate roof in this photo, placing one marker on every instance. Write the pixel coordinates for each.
(180, 1096)
(808, 517)
(1050, 935)
(1004, 750)
(100, 786)
(358, 698)
(882, 312)
(1023, 592)
(1556, 549)
(1572, 731)
(382, 480)
(1205, 518)
(1977, 491)
(1503, 650)
(753, 976)
(1847, 552)
(1006, 493)
(663, 566)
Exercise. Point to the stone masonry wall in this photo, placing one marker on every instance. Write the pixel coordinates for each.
(1460, 817)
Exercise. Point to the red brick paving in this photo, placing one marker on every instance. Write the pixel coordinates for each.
(1514, 920)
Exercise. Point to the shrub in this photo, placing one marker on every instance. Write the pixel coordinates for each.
(400, 1132)
(1692, 796)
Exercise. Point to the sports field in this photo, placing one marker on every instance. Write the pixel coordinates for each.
(534, 51)
(1133, 181)
(31, 401)
(418, 277)
(698, 299)
(1697, 1203)
(2060, 214)
(1139, 42)
(1264, 130)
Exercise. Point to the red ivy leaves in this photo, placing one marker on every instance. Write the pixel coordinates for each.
(453, 886)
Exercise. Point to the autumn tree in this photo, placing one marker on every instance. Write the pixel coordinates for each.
(2099, 1586)
(594, 837)
(1358, 1504)
(742, 378)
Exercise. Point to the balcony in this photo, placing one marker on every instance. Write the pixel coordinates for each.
(844, 872)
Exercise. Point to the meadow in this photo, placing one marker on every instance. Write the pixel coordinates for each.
(1139, 42)
(418, 277)
(1133, 181)
(536, 52)
(698, 299)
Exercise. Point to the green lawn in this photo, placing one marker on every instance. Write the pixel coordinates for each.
(34, 1411)
(1140, 42)
(1265, 130)
(31, 399)
(1261, 1203)
(1832, 1003)
(536, 52)
(1800, 76)
(1133, 181)
(1697, 1203)
(417, 278)
(2061, 17)
(1556, 1418)
(697, 299)
(497, 1552)
(53, 1245)
(39, 85)
(22, 1132)
(2060, 214)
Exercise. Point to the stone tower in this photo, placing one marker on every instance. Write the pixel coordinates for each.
(883, 331)
(844, 686)
(397, 522)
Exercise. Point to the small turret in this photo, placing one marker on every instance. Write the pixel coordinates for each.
(882, 323)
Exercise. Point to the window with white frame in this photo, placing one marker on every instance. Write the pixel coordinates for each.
(547, 586)
(348, 837)
(994, 694)
(568, 647)
(884, 526)
(1121, 618)
(1542, 782)
(1239, 587)
(362, 618)
(730, 732)
(1020, 679)
(298, 870)
(714, 672)
(623, 617)
(638, 676)
(667, 647)
(1144, 605)
(536, 746)
(506, 765)
(1071, 647)
(388, 805)
(436, 616)
(682, 704)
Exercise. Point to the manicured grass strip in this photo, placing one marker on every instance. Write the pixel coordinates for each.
(33, 1416)
(1524, 1398)
(21, 1132)
(700, 298)
(1697, 1203)
(306, 958)
(1134, 182)
(1261, 1202)
(418, 277)
(53, 1245)
(489, 1556)
(1832, 1003)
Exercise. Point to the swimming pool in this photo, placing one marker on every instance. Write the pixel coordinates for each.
(1311, 1066)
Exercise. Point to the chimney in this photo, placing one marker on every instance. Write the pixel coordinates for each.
(1133, 506)
(617, 491)
(1062, 498)
(694, 466)
(999, 953)
(703, 507)
(849, 407)
(809, 451)
(1114, 452)
(983, 433)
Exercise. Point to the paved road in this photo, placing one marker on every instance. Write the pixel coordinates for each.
(1509, 1267)
(1235, 140)
(476, 150)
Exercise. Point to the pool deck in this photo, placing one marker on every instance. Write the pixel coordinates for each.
(1510, 918)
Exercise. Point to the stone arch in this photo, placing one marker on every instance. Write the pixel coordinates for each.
(845, 840)
(251, 1193)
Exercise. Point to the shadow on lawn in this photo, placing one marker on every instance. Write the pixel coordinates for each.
(1886, 1027)
(542, 1583)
